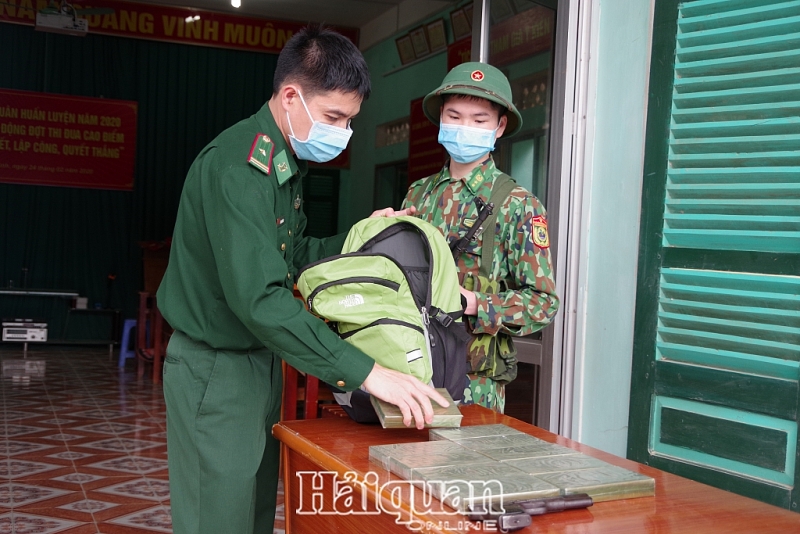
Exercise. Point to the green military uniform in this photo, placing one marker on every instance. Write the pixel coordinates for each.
(521, 256)
(227, 292)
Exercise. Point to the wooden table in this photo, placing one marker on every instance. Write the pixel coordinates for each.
(339, 445)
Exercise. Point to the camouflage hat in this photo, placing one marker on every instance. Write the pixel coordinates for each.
(475, 79)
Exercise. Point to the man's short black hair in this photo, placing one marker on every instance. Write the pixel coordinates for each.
(320, 60)
(501, 110)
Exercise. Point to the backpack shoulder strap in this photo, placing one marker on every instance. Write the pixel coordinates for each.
(501, 188)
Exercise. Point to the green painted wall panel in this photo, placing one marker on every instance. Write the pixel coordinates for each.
(771, 349)
(730, 260)
(726, 359)
(732, 113)
(727, 439)
(767, 241)
(727, 223)
(750, 159)
(732, 94)
(736, 191)
(763, 175)
(775, 494)
(756, 297)
(782, 125)
(722, 438)
(762, 316)
(729, 13)
(767, 42)
(718, 333)
(760, 143)
(750, 329)
(757, 394)
(738, 64)
(742, 80)
(700, 8)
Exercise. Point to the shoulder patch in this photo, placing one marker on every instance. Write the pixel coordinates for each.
(540, 237)
(261, 152)
(475, 181)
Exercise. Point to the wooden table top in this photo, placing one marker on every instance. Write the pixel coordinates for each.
(679, 505)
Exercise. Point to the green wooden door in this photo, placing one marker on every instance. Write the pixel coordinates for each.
(714, 392)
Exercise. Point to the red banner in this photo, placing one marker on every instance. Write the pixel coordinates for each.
(521, 36)
(459, 52)
(425, 155)
(48, 139)
(167, 23)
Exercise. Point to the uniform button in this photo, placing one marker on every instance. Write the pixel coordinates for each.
(283, 246)
(340, 383)
(290, 232)
(289, 276)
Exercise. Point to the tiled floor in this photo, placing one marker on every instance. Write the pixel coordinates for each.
(82, 450)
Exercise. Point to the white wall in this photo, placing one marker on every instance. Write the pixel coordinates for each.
(619, 56)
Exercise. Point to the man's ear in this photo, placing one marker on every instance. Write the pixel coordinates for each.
(287, 95)
(501, 126)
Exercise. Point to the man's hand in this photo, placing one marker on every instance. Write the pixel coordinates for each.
(472, 301)
(390, 212)
(406, 392)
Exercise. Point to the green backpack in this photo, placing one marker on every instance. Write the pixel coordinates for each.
(393, 292)
(492, 356)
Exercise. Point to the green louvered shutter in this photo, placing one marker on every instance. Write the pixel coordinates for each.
(717, 348)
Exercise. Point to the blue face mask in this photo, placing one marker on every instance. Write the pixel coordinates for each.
(324, 141)
(464, 143)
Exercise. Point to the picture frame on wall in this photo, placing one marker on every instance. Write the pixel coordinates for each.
(437, 38)
(468, 13)
(501, 10)
(405, 49)
(462, 25)
(419, 40)
(523, 5)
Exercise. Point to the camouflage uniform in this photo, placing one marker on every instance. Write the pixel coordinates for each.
(521, 258)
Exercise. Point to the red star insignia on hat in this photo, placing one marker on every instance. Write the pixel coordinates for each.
(477, 75)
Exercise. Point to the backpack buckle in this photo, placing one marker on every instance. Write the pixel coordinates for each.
(442, 317)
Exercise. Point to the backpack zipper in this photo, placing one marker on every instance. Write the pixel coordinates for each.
(383, 321)
(427, 333)
(355, 279)
(424, 306)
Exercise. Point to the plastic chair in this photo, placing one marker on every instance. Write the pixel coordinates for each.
(124, 351)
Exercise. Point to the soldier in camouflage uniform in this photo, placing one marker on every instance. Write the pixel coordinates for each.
(473, 107)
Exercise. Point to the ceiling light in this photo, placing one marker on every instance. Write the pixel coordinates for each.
(236, 3)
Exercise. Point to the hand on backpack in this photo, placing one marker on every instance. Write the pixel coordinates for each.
(472, 302)
(390, 212)
(406, 392)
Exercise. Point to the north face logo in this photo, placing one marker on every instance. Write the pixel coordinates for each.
(352, 300)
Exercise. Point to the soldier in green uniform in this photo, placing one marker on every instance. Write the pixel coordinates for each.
(227, 292)
(509, 287)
